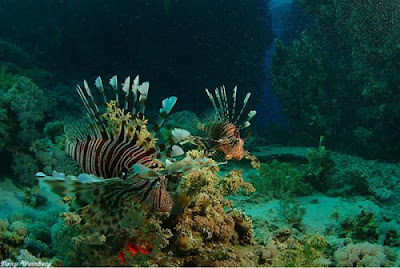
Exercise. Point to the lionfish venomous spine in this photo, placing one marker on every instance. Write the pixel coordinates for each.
(222, 136)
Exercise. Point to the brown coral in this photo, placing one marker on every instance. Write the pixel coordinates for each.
(206, 234)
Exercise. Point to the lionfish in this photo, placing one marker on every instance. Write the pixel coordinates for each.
(118, 155)
(222, 136)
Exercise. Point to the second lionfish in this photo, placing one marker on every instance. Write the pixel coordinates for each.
(119, 155)
(222, 140)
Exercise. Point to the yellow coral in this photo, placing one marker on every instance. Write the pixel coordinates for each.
(71, 218)
(205, 216)
(90, 239)
(234, 181)
(308, 251)
(118, 118)
(195, 154)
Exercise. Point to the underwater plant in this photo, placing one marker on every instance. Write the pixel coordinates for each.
(338, 77)
(306, 252)
(318, 167)
(280, 180)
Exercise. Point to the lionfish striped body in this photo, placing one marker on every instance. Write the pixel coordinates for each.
(109, 156)
(222, 136)
(119, 152)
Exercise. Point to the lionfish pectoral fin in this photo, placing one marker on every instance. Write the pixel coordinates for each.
(187, 164)
(63, 185)
(255, 163)
(102, 203)
(176, 150)
(110, 201)
(145, 172)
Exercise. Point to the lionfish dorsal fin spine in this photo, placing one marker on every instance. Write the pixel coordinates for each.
(114, 84)
(166, 107)
(210, 96)
(143, 90)
(99, 122)
(126, 87)
(99, 85)
(135, 92)
(226, 107)
(246, 99)
(246, 123)
(220, 105)
(234, 103)
(89, 111)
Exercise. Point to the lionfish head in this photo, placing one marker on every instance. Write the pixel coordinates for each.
(233, 149)
(158, 198)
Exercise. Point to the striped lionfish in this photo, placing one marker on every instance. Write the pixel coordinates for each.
(118, 155)
(223, 139)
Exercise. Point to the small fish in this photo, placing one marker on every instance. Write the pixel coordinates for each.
(222, 136)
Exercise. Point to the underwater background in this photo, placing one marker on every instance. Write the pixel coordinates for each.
(324, 80)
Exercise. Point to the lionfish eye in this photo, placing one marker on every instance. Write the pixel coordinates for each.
(124, 174)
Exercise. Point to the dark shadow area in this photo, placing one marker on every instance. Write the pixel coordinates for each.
(181, 49)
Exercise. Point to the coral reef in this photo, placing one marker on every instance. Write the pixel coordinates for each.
(27, 106)
(88, 245)
(26, 236)
(362, 227)
(23, 110)
(330, 172)
(50, 156)
(12, 53)
(202, 229)
(295, 252)
(356, 176)
(363, 255)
